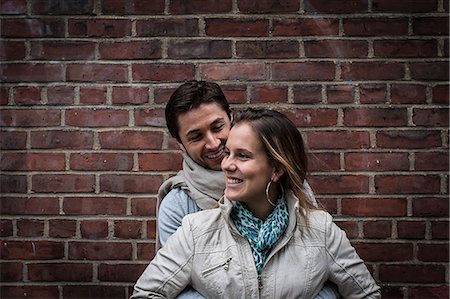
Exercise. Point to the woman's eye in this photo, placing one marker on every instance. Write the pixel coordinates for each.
(243, 156)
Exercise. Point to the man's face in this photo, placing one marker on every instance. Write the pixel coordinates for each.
(203, 132)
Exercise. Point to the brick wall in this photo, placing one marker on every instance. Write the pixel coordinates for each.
(84, 144)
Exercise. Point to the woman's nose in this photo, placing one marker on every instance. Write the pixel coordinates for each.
(227, 164)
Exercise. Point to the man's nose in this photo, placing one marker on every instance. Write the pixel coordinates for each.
(212, 142)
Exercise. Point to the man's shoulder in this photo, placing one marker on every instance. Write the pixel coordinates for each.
(178, 199)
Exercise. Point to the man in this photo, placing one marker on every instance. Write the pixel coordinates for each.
(198, 116)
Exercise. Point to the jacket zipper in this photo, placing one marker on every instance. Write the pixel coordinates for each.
(224, 265)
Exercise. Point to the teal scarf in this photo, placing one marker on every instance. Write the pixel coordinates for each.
(261, 235)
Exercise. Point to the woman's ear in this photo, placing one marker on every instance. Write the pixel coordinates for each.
(277, 173)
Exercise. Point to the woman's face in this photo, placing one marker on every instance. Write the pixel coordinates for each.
(246, 166)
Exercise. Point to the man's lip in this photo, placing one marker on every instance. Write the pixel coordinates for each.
(217, 155)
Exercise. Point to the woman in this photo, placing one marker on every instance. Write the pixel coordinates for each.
(266, 240)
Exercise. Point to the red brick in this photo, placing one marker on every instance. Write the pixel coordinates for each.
(236, 27)
(303, 71)
(441, 94)
(94, 229)
(393, 292)
(96, 117)
(411, 230)
(408, 94)
(197, 49)
(432, 161)
(408, 139)
(199, 6)
(62, 139)
(336, 6)
(430, 207)
(433, 252)
(152, 117)
(62, 7)
(435, 71)
(376, 161)
(375, 117)
(31, 250)
(372, 93)
(336, 48)
(439, 230)
(339, 184)
(412, 273)
(132, 7)
(93, 291)
(323, 162)
(329, 204)
(4, 96)
(233, 71)
(151, 229)
(338, 139)
(13, 184)
(12, 50)
(162, 72)
(27, 95)
(372, 71)
(178, 27)
(31, 72)
(269, 94)
(143, 206)
(431, 117)
(61, 228)
(29, 206)
(430, 25)
(385, 252)
(340, 94)
(405, 48)
(97, 72)
(60, 272)
(131, 140)
(160, 161)
(127, 229)
(63, 183)
(350, 228)
(145, 251)
(62, 50)
(375, 27)
(101, 161)
(30, 228)
(268, 6)
(95, 205)
(307, 94)
(6, 228)
(30, 118)
(129, 95)
(401, 184)
(267, 49)
(305, 26)
(13, 7)
(410, 6)
(11, 272)
(100, 251)
(30, 291)
(130, 50)
(428, 291)
(129, 183)
(33, 27)
(120, 273)
(60, 95)
(162, 94)
(92, 95)
(381, 229)
(370, 207)
(99, 27)
(311, 117)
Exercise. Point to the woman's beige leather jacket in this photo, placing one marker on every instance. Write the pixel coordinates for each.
(208, 253)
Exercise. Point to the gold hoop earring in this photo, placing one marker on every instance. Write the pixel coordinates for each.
(267, 193)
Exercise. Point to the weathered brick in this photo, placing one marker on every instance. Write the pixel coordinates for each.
(305, 27)
(303, 71)
(32, 161)
(12, 50)
(412, 273)
(269, 94)
(337, 139)
(30, 291)
(126, 139)
(128, 229)
(67, 7)
(385, 252)
(145, 251)
(376, 161)
(129, 95)
(408, 139)
(430, 207)
(430, 25)
(94, 229)
(99, 27)
(408, 94)
(412, 6)
(97, 72)
(63, 183)
(10, 271)
(60, 95)
(30, 118)
(162, 72)
(151, 229)
(431, 117)
(311, 117)
(372, 93)
(132, 7)
(441, 94)
(233, 71)
(162, 94)
(6, 228)
(369, 207)
(268, 6)
(199, 6)
(339, 94)
(307, 94)
(33, 27)
(62, 50)
(160, 161)
(129, 183)
(62, 139)
(405, 48)
(13, 183)
(120, 273)
(30, 228)
(59, 272)
(198, 49)
(339, 184)
(336, 48)
(432, 161)
(100, 251)
(435, 71)
(267, 49)
(126, 50)
(372, 71)
(31, 72)
(375, 117)
(323, 162)
(440, 230)
(433, 252)
(27, 95)
(428, 291)
(178, 27)
(143, 206)
(62, 228)
(375, 27)
(31, 250)
(336, 6)
(411, 230)
(380, 229)
(29, 205)
(403, 184)
(350, 228)
(150, 117)
(13, 7)
(92, 95)
(96, 117)
(237, 27)
(4, 96)
(101, 161)
(94, 205)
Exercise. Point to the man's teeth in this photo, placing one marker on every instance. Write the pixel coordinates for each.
(215, 155)
(234, 181)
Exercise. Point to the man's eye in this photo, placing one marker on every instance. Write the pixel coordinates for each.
(195, 138)
(217, 128)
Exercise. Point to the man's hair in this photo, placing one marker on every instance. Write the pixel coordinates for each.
(191, 95)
